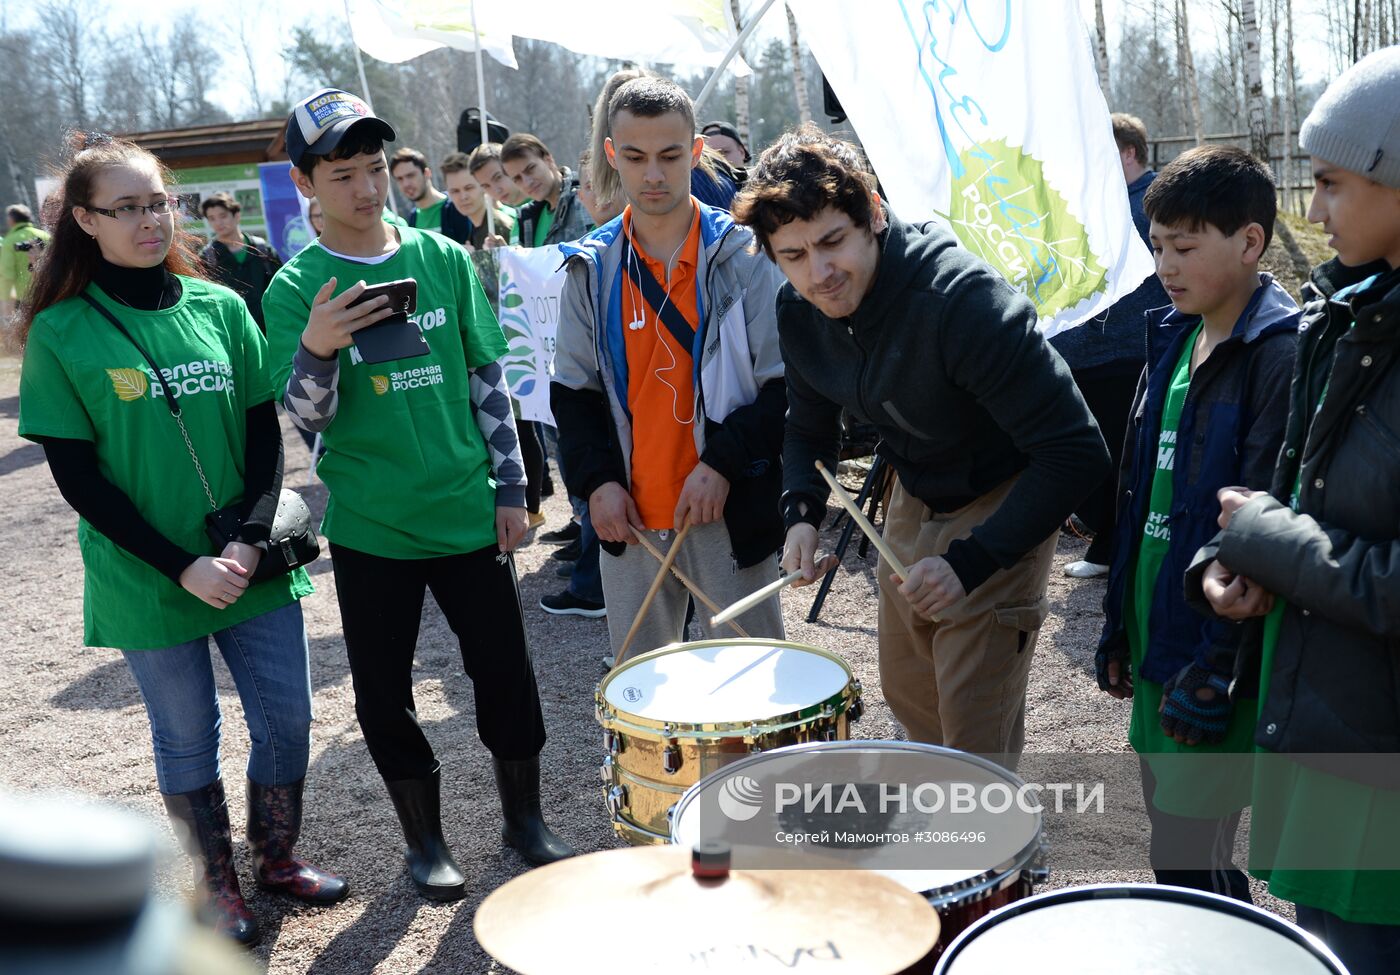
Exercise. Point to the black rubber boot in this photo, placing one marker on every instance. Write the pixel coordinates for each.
(201, 820)
(274, 824)
(430, 864)
(525, 829)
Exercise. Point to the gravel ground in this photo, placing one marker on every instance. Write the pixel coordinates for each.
(71, 719)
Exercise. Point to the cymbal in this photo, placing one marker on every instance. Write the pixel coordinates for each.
(645, 910)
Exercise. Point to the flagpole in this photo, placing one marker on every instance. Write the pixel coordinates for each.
(481, 110)
(733, 50)
(364, 84)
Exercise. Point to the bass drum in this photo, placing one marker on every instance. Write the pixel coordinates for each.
(674, 715)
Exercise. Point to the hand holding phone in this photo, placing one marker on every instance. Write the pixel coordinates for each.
(332, 322)
(395, 337)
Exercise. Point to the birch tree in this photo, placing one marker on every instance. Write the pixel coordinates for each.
(741, 86)
(1254, 81)
(1100, 45)
(799, 76)
(1186, 67)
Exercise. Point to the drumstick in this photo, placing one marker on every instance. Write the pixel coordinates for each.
(863, 523)
(671, 554)
(754, 598)
(689, 583)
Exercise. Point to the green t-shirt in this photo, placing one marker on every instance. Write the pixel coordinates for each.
(408, 472)
(1184, 787)
(543, 225)
(393, 219)
(1302, 815)
(84, 380)
(430, 217)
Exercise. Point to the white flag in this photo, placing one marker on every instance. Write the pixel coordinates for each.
(399, 30)
(531, 280)
(689, 32)
(987, 116)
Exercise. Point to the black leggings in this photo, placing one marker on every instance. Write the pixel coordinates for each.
(381, 606)
(1108, 392)
(533, 453)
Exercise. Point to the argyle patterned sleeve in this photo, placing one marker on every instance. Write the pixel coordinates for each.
(491, 407)
(311, 396)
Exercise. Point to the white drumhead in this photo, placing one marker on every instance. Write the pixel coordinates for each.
(1018, 833)
(725, 683)
(1110, 935)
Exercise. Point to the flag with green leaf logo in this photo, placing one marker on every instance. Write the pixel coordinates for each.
(986, 116)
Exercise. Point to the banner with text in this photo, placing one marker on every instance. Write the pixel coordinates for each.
(530, 282)
(987, 116)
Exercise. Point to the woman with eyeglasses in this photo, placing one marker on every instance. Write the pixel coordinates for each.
(154, 586)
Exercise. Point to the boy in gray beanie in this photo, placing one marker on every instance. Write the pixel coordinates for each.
(1310, 566)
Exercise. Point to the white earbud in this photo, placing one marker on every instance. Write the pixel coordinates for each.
(637, 326)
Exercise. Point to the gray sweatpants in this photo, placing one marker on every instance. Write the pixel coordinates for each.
(706, 559)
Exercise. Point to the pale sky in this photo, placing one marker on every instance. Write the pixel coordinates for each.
(269, 23)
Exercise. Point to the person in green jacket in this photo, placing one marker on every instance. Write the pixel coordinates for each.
(20, 250)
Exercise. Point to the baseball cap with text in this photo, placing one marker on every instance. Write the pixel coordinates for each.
(318, 123)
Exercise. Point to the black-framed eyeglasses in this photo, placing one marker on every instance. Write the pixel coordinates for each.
(134, 211)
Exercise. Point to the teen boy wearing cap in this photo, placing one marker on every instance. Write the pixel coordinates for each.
(412, 447)
(1323, 545)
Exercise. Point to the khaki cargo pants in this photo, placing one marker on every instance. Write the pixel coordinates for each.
(961, 682)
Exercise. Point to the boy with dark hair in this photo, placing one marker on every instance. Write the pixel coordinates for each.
(414, 178)
(1322, 544)
(1209, 411)
(425, 478)
(668, 385)
(553, 215)
(465, 221)
(991, 441)
(241, 261)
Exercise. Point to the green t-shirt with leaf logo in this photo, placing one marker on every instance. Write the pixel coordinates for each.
(408, 472)
(84, 380)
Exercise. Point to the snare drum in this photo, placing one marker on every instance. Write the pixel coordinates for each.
(1112, 928)
(674, 715)
(1012, 862)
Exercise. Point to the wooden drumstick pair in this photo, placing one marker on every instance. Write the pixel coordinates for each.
(862, 522)
(667, 561)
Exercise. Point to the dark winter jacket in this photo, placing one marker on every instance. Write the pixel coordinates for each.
(944, 358)
(571, 219)
(1231, 427)
(738, 374)
(1117, 338)
(250, 277)
(1334, 685)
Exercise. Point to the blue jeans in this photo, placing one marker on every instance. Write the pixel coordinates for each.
(551, 446)
(267, 656)
(587, 580)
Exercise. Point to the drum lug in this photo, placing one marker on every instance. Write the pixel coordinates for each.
(1038, 875)
(612, 742)
(671, 759)
(829, 735)
(607, 771)
(616, 798)
(857, 707)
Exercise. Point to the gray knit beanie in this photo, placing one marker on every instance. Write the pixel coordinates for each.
(1356, 122)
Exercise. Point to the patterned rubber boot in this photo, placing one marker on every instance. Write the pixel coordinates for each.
(201, 822)
(274, 823)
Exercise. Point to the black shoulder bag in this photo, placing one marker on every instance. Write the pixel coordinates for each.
(293, 541)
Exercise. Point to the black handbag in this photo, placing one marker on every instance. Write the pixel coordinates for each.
(292, 543)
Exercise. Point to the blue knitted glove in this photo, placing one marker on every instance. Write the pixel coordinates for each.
(1196, 706)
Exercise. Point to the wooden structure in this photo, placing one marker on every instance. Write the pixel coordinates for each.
(225, 144)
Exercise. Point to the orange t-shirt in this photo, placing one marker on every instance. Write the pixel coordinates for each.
(660, 380)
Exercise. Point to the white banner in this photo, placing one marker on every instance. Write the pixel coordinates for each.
(531, 281)
(400, 30)
(987, 116)
(690, 32)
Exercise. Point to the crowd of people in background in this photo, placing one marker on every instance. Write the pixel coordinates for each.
(1233, 451)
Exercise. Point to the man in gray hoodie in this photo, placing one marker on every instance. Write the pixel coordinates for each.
(991, 441)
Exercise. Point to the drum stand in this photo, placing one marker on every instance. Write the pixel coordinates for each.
(873, 489)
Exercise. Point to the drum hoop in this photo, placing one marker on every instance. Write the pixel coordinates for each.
(976, 887)
(1163, 892)
(612, 717)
